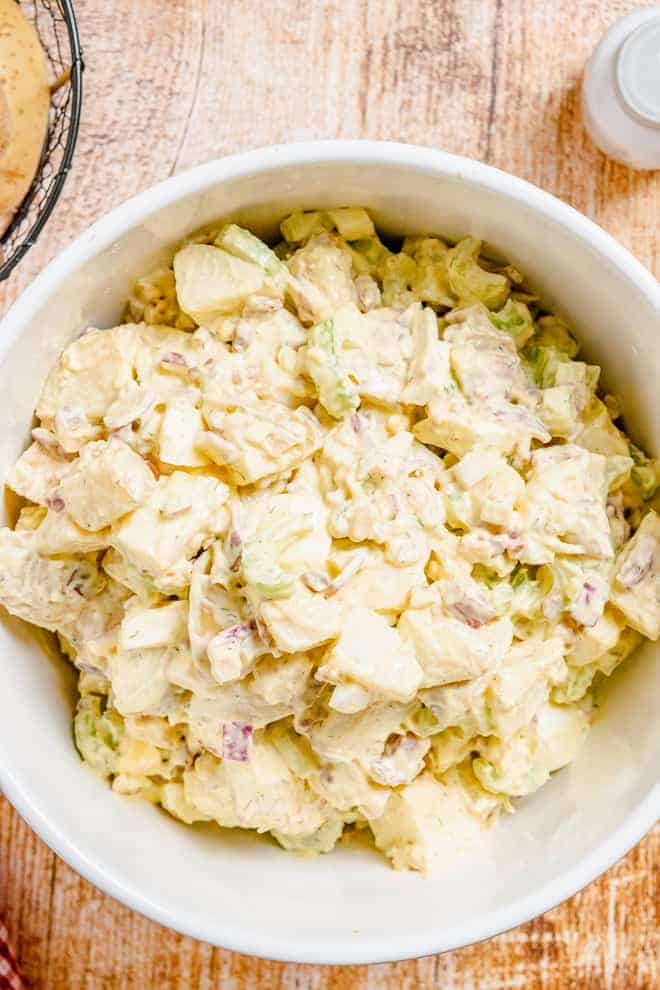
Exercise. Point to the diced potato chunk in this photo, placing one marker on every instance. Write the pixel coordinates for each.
(49, 592)
(91, 373)
(260, 793)
(161, 537)
(427, 822)
(58, 534)
(265, 439)
(636, 588)
(177, 439)
(211, 281)
(145, 628)
(450, 650)
(371, 654)
(106, 482)
(302, 621)
(36, 474)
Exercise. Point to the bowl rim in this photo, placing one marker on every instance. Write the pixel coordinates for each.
(99, 237)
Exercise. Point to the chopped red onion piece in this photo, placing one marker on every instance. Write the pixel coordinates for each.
(55, 503)
(236, 741)
(637, 567)
(472, 612)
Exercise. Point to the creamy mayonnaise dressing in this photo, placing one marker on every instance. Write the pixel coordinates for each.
(337, 536)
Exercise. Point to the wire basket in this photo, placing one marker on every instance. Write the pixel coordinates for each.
(55, 23)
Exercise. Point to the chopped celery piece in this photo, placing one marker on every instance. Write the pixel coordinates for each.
(323, 840)
(520, 576)
(554, 332)
(262, 572)
(558, 410)
(645, 477)
(97, 734)
(542, 363)
(261, 555)
(617, 470)
(576, 373)
(283, 250)
(399, 274)
(472, 283)
(430, 283)
(352, 223)
(575, 686)
(336, 393)
(422, 722)
(374, 253)
(244, 245)
(637, 454)
(426, 249)
(516, 319)
(645, 473)
(564, 576)
(301, 226)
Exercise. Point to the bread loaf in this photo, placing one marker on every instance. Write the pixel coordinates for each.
(24, 103)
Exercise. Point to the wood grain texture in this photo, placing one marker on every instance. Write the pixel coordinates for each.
(171, 83)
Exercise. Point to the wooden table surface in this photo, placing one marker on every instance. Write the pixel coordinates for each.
(172, 83)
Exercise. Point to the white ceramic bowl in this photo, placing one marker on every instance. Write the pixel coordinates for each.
(236, 890)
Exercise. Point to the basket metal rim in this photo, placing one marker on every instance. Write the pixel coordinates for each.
(76, 83)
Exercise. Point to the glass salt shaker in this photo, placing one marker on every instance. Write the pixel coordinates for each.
(621, 91)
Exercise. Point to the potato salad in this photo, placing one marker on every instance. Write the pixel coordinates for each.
(340, 535)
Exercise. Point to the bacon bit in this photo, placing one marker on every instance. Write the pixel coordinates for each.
(236, 741)
(50, 444)
(55, 503)
(326, 774)
(356, 422)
